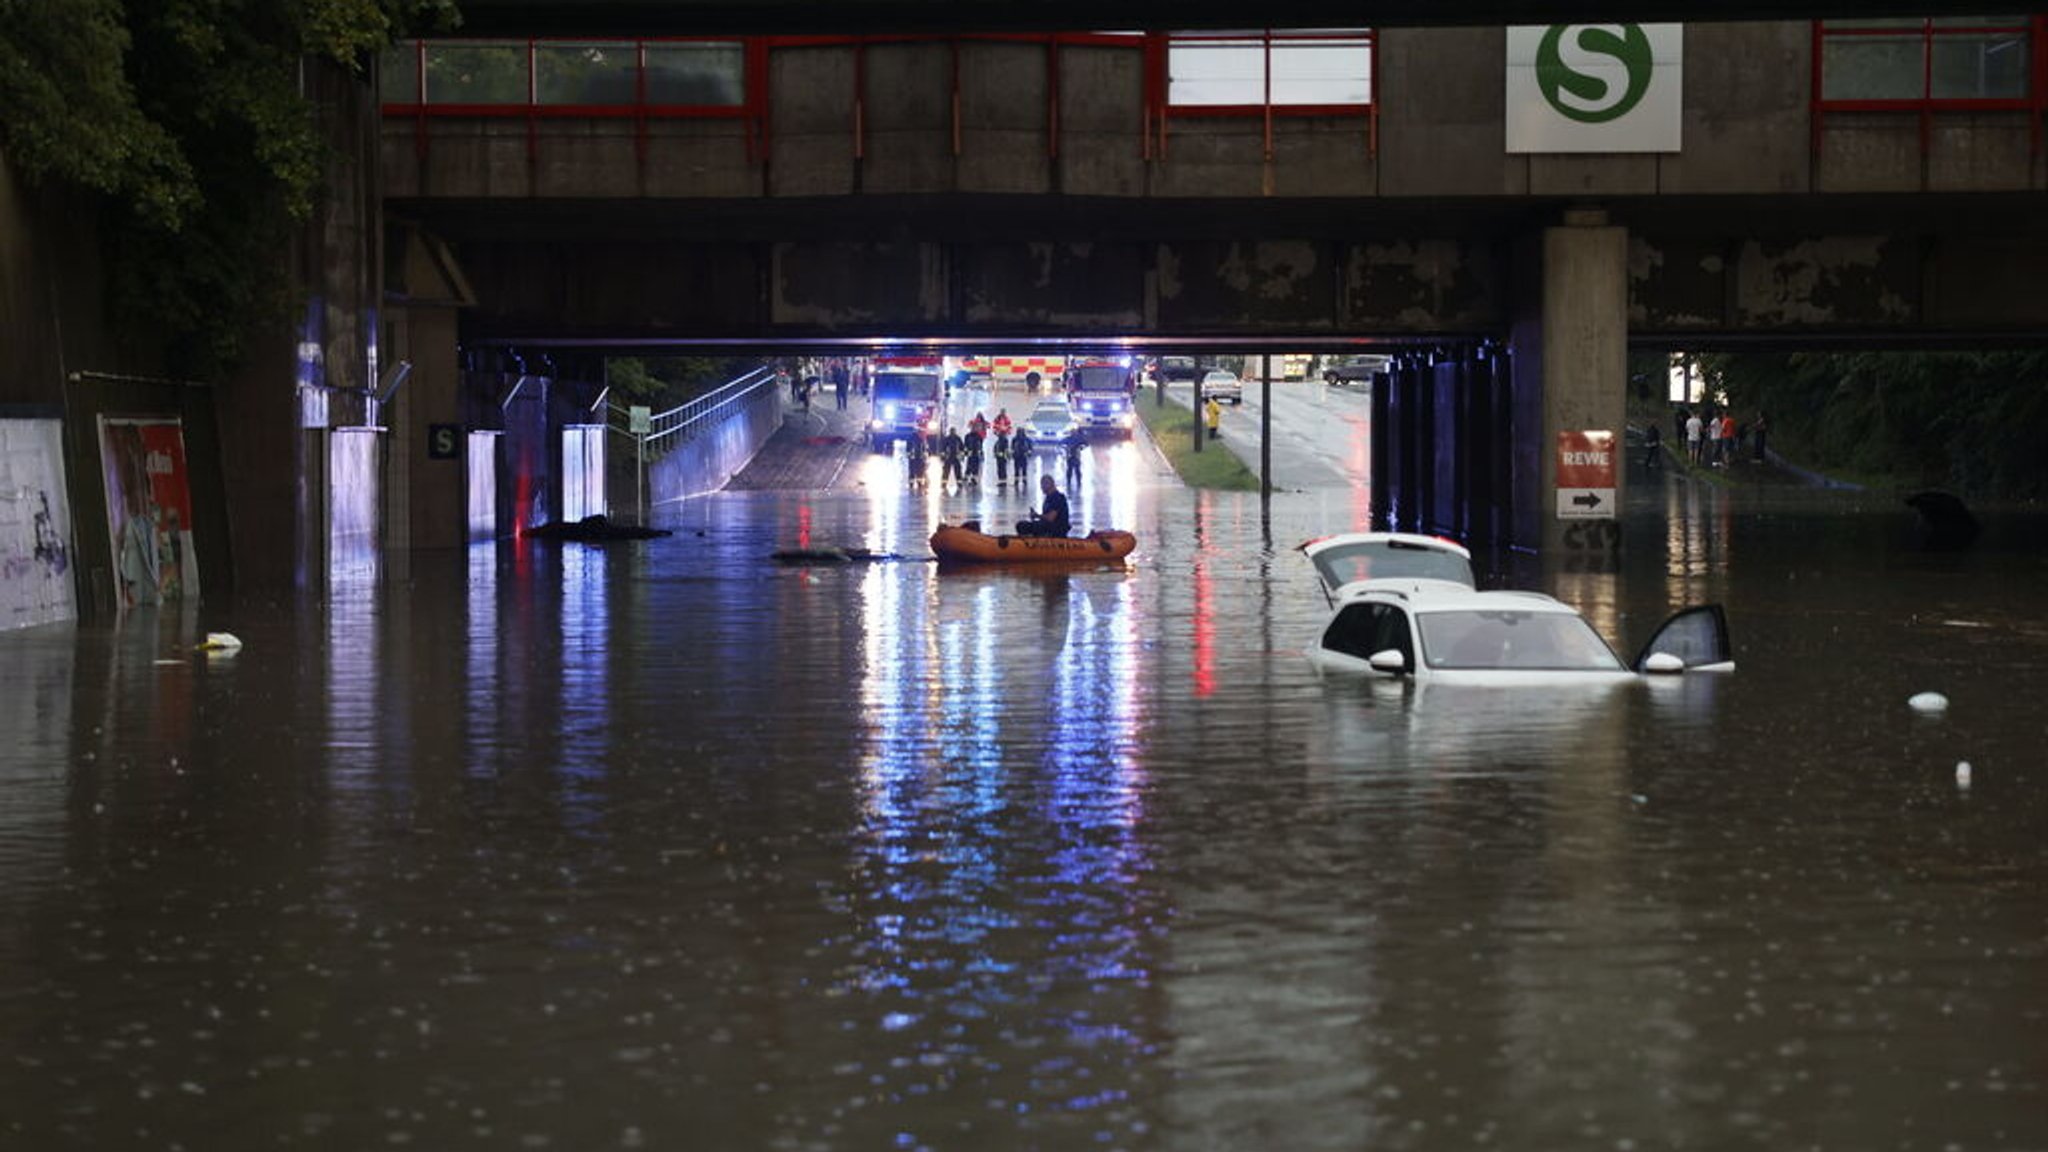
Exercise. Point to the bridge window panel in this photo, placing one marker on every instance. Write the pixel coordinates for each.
(1987, 58)
(1216, 73)
(586, 73)
(700, 73)
(1295, 69)
(1980, 65)
(1322, 72)
(1872, 68)
(477, 73)
(398, 74)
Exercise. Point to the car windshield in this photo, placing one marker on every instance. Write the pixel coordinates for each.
(1050, 414)
(1390, 559)
(906, 386)
(1526, 641)
(1220, 377)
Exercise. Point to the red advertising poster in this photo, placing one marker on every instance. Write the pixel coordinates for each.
(1585, 475)
(149, 510)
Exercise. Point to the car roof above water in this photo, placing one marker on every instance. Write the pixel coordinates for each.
(1348, 560)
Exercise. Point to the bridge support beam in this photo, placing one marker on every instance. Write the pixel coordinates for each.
(427, 489)
(1570, 346)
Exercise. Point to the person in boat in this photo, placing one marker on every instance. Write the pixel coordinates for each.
(1053, 519)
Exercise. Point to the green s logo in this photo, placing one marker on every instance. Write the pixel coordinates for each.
(1574, 64)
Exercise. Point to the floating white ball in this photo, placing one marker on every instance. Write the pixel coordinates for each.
(1927, 702)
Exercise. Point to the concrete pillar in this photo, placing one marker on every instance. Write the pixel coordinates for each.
(1571, 365)
(427, 477)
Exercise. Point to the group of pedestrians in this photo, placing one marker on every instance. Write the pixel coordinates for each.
(1713, 440)
(843, 375)
(962, 457)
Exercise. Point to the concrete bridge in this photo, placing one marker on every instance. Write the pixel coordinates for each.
(986, 179)
(849, 190)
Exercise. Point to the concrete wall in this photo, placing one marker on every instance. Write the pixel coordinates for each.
(881, 120)
(1047, 201)
(706, 461)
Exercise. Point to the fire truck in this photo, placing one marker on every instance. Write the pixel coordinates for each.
(905, 397)
(1099, 393)
(1048, 369)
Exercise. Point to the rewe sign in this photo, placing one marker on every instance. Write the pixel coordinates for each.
(1585, 475)
(1594, 87)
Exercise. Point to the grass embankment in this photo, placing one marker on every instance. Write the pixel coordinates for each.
(1172, 428)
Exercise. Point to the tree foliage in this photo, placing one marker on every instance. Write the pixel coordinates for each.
(662, 382)
(1972, 422)
(188, 117)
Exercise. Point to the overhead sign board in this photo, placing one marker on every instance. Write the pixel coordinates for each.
(1585, 475)
(1594, 87)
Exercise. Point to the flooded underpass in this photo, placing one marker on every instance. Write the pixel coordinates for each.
(664, 845)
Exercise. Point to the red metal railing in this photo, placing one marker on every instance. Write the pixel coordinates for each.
(752, 109)
(1925, 104)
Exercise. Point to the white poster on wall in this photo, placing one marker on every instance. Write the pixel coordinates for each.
(1595, 87)
(35, 526)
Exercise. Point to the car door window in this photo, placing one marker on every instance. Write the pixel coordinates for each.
(1362, 629)
(1390, 630)
(1698, 636)
(1351, 631)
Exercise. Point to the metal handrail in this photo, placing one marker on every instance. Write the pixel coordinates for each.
(684, 419)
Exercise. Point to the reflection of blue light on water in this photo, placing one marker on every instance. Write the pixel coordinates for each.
(482, 691)
(357, 716)
(585, 694)
(1000, 859)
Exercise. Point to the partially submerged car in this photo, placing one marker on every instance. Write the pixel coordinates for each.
(1405, 605)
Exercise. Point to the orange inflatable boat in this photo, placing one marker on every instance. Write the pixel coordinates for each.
(960, 543)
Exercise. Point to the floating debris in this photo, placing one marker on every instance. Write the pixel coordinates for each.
(830, 555)
(1927, 702)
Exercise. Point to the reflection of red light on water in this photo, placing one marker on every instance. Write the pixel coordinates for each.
(803, 526)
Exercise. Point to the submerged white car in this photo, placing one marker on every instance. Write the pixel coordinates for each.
(1405, 605)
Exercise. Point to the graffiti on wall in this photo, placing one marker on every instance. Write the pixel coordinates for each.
(36, 584)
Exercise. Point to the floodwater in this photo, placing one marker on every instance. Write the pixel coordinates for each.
(667, 846)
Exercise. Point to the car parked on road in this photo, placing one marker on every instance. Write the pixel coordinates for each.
(1356, 369)
(1050, 422)
(1221, 385)
(1177, 369)
(1404, 606)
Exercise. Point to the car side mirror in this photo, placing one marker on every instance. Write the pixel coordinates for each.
(1389, 661)
(1663, 664)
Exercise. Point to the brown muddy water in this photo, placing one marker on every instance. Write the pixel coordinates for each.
(667, 846)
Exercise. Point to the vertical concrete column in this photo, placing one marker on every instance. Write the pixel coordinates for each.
(1576, 337)
(426, 473)
(437, 495)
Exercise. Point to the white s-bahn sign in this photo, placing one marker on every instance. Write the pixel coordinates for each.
(1594, 87)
